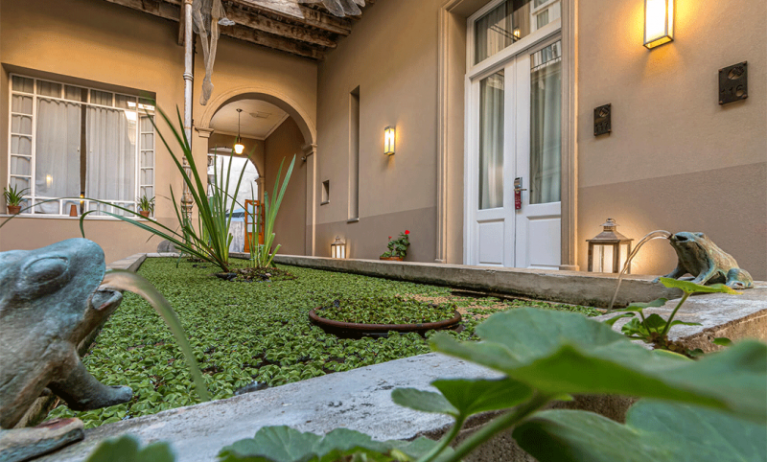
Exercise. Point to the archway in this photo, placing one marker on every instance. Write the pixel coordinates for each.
(273, 129)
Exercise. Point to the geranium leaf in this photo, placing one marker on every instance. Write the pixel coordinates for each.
(126, 449)
(283, 444)
(424, 401)
(693, 288)
(566, 353)
(481, 395)
(656, 431)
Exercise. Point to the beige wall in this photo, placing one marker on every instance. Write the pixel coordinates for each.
(96, 41)
(392, 56)
(675, 160)
(290, 226)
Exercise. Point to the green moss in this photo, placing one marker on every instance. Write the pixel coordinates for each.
(386, 310)
(240, 332)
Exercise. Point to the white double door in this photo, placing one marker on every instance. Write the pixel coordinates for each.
(513, 183)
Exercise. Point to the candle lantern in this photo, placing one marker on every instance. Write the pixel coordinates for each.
(338, 249)
(609, 250)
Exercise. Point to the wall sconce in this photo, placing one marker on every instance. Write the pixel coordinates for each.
(338, 249)
(389, 141)
(658, 22)
(609, 250)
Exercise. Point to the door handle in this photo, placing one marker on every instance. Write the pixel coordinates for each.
(518, 184)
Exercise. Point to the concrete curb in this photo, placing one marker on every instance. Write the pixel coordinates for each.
(590, 289)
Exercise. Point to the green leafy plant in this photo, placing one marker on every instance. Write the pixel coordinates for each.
(548, 356)
(210, 239)
(398, 247)
(653, 328)
(127, 449)
(146, 204)
(262, 255)
(386, 310)
(13, 197)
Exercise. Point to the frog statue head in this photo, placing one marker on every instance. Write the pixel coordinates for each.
(700, 257)
(50, 301)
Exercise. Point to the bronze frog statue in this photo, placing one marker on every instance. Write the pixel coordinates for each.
(50, 300)
(706, 262)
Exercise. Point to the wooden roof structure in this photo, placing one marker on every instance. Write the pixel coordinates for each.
(268, 26)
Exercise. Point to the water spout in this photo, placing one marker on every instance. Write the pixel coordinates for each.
(132, 282)
(659, 234)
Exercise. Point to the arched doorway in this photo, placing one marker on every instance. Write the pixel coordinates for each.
(273, 132)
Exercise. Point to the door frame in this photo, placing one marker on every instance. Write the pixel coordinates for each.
(475, 73)
(451, 142)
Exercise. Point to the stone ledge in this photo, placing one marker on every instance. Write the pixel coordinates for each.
(579, 288)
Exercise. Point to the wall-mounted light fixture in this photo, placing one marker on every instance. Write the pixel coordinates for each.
(609, 250)
(239, 148)
(658, 22)
(338, 249)
(390, 136)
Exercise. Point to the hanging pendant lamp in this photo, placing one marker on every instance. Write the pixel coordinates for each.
(239, 148)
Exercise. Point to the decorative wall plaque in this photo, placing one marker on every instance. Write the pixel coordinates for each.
(733, 83)
(603, 120)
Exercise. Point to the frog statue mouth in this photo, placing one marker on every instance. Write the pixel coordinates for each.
(104, 299)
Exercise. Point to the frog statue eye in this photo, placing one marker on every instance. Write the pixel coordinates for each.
(45, 274)
(701, 235)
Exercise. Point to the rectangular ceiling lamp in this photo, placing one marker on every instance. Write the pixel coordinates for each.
(658, 22)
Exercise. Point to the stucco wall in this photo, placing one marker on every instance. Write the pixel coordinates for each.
(392, 57)
(104, 43)
(290, 226)
(675, 160)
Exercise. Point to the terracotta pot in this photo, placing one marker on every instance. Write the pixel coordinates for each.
(14, 209)
(392, 258)
(144, 213)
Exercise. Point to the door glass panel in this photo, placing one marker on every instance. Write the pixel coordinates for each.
(491, 102)
(545, 125)
(499, 28)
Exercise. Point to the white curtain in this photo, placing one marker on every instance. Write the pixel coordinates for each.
(545, 126)
(493, 32)
(491, 115)
(57, 160)
(110, 165)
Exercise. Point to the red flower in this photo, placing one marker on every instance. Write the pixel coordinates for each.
(389, 237)
(407, 232)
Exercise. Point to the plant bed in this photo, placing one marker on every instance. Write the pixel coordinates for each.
(392, 258)
(257, 275)
(376, 316)
(245, 333)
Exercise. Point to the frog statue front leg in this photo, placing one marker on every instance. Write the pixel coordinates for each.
(706, 262)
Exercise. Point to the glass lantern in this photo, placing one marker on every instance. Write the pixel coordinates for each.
(338, 249)
(609, 250)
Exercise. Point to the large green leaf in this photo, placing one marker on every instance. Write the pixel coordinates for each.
(126, 449)
(566, 353)
(284, 444)
(424, 401)
(693, 288)
(654, 431)
(481, 395)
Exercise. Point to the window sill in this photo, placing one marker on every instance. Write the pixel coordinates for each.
(353, 220)
(62, 217)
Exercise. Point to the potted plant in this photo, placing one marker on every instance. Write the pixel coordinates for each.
(397, 247)
(13, 198)
(146, 205)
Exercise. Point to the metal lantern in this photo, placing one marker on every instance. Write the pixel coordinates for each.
(389, 141)
(658, 22)
(609, 250)
(338, 249)
(239, 148)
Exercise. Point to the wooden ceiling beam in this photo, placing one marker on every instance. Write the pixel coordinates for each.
(264, 24)
(312, 17)
(171, 12)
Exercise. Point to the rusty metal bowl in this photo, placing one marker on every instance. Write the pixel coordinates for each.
(356, 330)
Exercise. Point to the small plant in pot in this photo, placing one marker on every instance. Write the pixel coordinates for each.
(397, 247)
(13, 198)
(146, 205)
